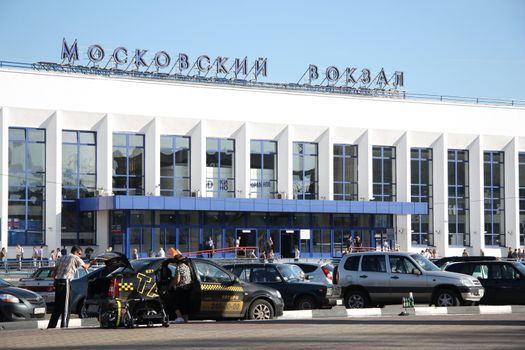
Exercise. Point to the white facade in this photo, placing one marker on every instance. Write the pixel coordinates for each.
(81, 102)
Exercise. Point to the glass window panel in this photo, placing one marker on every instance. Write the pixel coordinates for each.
(166, 183)
(17, 156)
(17, 134)
(35, 157)
(88, 162)
(119, 140)
(338, 150)
(255, 147)
(69, 137)
(69, 158)
(310, 148)
(136, 162)
(87, 137)
(88, 181)
(166, 142)
(227, 145)
(120, 161)
(136, 140)
(36, 135)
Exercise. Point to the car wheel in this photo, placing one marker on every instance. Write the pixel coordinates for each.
(260, 310)
(446, 297)
(305, 303)
(356, 299)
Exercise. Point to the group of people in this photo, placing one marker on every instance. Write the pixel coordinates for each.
(429, 253)
(518, 253)
(353, 245)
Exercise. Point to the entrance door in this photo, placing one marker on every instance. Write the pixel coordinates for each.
(247, 237)
(289, 240)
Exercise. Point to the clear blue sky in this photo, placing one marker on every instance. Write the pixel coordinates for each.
(473, 48)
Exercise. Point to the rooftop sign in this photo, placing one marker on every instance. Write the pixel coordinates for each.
(161, 64)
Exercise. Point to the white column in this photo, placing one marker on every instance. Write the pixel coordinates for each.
(403, 222)
(440, 194)
(242, 161)
(476, 178)
(152, 160)
(285, 162)
(326, 166)
(53, 207)
(512, 185)
(4, 179)
(198, 158)
(364, 166)
(104, 131)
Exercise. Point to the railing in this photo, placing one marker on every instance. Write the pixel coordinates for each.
(15, 269)
(346, 90)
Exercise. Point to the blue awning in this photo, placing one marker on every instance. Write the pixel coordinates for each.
(249, 205)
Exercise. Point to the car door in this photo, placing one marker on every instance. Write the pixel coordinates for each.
(222, 296)
(374, 277)
(505, 283)
(269, 276)
(406, 277)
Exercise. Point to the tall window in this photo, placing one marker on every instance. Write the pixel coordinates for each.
(345, 172)
(79, 172)
(522, 197)
(384, 173)
(263, 169)
(421, 192)
(220, 168)
(458, 198)
(305, 170)
(27, 183)
(175, 166)
(494, 188)
(128, 164)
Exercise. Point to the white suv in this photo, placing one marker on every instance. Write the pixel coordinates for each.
(380, 278)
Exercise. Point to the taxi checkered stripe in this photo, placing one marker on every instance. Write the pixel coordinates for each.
(218, 286)
(125, 286)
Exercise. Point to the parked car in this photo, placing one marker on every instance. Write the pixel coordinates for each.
(41, 282)
(215, 292)
(380, 278)
(504, 281)
(442, 262)
(20, 304)
(297, 293)
(320, 273)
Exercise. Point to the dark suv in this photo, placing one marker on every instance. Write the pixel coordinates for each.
(297, 293)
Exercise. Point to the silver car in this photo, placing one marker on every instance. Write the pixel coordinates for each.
(380, 278)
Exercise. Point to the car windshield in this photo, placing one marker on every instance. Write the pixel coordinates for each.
(425, 263)
(520, 267)
(288, 272)
(4, 283)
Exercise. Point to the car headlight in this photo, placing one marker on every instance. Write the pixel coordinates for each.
(278, 294)
(467, 282)
(8, 298)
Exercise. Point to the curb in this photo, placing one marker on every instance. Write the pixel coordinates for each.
(340, 311)
(336, 311)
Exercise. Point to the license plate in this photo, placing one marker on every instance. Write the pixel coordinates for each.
(339, 302)
(39, 310)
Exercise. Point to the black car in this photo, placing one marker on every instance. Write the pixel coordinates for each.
(297, 293)
(504, 281)
(215, 293)
(451, 259)
(20, 304)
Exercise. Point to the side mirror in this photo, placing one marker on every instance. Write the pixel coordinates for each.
(278, 279)
(416, 272)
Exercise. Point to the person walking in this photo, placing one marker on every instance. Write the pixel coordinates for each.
(63, 273)
(3, 258)
(19, 256)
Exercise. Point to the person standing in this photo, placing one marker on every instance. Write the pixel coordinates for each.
(296, 254)
(135, 254)
(161, 253)
(63, 273)
(210, 246)
(181, 285)
(19, 256)
(3, 258)
(465, 253)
